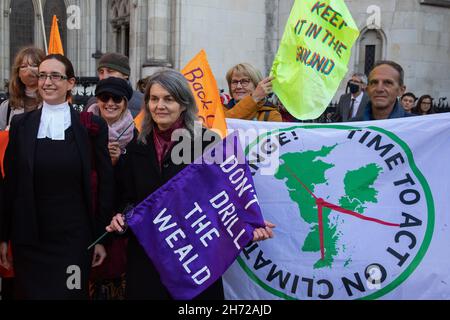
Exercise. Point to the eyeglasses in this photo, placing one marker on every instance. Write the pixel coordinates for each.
(28, 66)
(105, 97)
(53, 77)
(243, 82)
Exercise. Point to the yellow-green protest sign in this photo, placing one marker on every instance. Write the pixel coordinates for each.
(313, 56)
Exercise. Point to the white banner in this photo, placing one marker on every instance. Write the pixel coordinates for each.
(362, 210)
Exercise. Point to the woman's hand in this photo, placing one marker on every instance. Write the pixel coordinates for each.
(260, 234)
(5, 261)
(263, 89)
(99, 255)
(114, 152)
(117, 224)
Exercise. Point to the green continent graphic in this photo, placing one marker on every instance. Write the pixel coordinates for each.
(359, 188)
(305, 170)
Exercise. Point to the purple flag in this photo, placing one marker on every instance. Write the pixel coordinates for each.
(195, 226)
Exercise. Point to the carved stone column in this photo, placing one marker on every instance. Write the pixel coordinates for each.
(98, 31)
(4, 40)
(159, 36)
(38, 33)
(123, 35)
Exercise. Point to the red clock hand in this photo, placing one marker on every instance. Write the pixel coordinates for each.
(322, 203)
(357, 215)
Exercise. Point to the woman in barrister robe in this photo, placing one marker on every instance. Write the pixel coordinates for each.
(48, 211)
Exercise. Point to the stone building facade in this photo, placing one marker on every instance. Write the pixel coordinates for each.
(414, 33)
(168, 33)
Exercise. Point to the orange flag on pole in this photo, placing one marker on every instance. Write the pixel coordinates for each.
(54, 43)
(204, 87)
(199, 75)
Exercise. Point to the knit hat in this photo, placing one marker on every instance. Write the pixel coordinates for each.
(115, 61)
(115, 86)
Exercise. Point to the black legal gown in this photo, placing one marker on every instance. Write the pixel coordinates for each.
(49, 268)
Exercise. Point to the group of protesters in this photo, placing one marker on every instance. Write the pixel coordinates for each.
(359, 97)
(420, 106)
(70, 176)
(66, 174)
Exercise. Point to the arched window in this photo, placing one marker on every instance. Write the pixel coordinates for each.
(21, 26)
(371, 48)
(120, 21)
(57, 8)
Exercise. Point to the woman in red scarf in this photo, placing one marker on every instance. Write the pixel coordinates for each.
(149, 163)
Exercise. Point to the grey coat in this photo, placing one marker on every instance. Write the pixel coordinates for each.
(343, 108)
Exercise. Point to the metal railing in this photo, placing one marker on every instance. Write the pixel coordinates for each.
(441, 105)
(83, 91)
(3, 97)
(329, 114)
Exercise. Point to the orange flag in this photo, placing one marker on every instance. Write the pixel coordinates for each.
(199, 75)
(204, 87)
(55, 44)
(139, 119)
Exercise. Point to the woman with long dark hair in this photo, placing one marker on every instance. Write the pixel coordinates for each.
(424, 105)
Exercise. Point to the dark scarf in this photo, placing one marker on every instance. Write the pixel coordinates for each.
(162, 140)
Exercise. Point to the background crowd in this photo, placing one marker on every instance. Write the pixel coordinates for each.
(62, 169)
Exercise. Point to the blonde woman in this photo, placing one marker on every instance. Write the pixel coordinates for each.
(112, 96)
(249, 92)
(23, 86)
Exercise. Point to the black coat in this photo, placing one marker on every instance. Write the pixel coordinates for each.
(18, 215)
(138, 176)
(138, 173)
